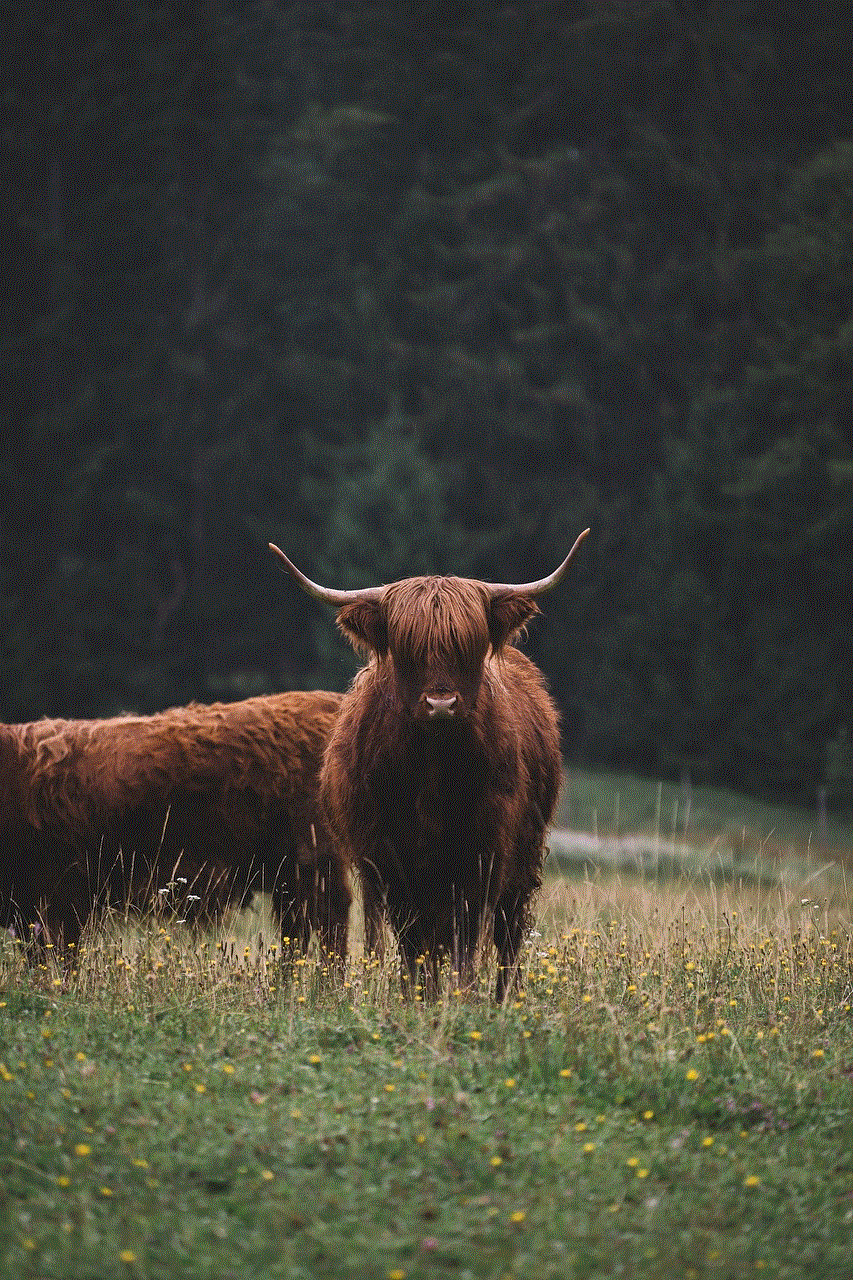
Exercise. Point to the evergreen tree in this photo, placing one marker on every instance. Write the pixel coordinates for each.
(388, 519)
(797, 474)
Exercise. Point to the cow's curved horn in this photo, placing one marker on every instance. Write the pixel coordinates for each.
(543, 584)
(332, 595)
(329, 594)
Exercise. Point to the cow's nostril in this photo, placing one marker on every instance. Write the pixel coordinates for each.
(442, 706)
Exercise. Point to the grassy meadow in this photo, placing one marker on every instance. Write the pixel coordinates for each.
(668, 1094)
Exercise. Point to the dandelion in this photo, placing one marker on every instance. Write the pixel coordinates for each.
(692, 1074)
(63, 1180)
(106, 1191)
(648, 1115)
(509, 1082)
(267, 1175)
(517, 1216)
(228, 1068)
(141, 1164)
(389, 1088)
(314, 1059)
(588, 1148)
(632, 1162)
(580, 1127)
(127, 1255)
(496, 1161)
(82, 1149)
(565, 1073)
(642, 1173)
(420, 1139)
(752, 1180)
(707, 1142)
(818, 1053)
(397, 1274)
(475, 1035)
(201, 1088)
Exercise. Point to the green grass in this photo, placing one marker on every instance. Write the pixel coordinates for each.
(669, 1095)
(615, 803)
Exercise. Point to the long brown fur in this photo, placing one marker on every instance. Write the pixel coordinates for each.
(444, 818)
(195, 807)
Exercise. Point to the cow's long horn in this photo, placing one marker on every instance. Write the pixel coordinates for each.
(543, 584)
(329, 594)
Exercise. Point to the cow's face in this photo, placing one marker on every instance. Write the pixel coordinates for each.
(434, 634)
(431, 636)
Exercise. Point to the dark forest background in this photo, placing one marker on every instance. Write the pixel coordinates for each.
(406, 292)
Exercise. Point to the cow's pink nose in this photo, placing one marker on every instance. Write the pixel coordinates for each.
(442, 706)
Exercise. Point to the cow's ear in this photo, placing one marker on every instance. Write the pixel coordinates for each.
(508, 612)
(365, 626)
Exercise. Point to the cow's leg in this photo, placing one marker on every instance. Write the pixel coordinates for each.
(291, 912)
(412, 965)
(374, 911)
(467, 921)
(509, 925)
(420, 959)
(329, 911)
(72, 903)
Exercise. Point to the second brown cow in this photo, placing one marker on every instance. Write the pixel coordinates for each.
(195, 807)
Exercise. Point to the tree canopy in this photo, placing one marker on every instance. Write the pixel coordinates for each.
(405, 289)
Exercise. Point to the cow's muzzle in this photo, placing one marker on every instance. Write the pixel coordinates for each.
(442, 708)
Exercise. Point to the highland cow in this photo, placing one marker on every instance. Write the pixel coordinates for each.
(195, 807)
(442, 772)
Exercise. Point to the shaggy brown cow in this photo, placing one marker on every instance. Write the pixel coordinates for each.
(198, 805)
(442, 772)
